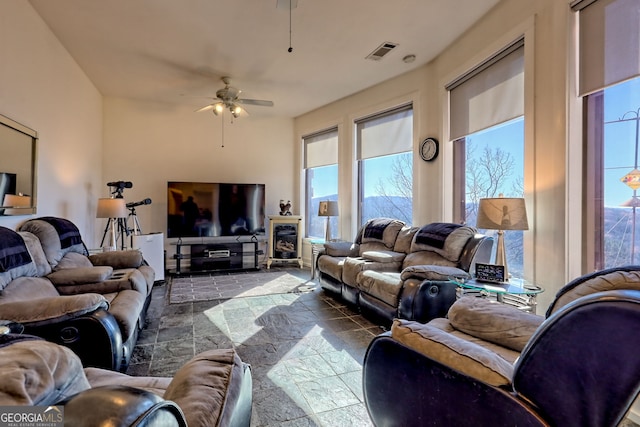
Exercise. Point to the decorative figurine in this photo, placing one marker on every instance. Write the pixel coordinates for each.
(285, 208)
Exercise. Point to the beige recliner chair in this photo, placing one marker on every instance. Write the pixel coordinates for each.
(94, 304)
(212, 389)
(489, 364)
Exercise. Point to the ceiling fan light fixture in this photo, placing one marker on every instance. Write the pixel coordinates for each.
(228, 98)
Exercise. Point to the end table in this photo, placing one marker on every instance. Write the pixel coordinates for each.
(517, 292)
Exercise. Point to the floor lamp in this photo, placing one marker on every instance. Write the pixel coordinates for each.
(502, 213)
(328, 209)
(114, 209)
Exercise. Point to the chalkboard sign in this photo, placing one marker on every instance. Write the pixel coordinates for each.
(490, 273)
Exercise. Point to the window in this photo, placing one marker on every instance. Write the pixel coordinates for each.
(487, 125)
(493, 164)
(609, 66)
(321, 178)
(385, 165)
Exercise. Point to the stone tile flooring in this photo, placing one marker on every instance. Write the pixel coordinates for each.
(305, 349)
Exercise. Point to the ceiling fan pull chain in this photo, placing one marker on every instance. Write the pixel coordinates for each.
(290, 8)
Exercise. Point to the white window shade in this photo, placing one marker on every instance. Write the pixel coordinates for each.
(321, 149)
(387, 133)
(609, 43)
(488, 95)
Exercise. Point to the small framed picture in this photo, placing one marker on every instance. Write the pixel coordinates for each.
(490, 273)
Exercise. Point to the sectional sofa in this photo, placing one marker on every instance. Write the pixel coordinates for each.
(393, 270)
(93, 304)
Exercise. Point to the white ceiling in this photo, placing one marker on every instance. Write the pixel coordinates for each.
(176, 51)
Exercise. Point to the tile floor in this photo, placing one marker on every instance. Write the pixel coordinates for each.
(305, 349)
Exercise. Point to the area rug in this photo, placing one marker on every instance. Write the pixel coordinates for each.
(203, 287)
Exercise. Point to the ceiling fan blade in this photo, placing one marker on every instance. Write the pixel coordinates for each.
(259, 102)
(243, 113)
(205, 108)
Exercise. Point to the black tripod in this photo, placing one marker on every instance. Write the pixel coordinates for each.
(119, 229)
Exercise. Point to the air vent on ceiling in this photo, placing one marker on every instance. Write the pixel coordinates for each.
(381, 51)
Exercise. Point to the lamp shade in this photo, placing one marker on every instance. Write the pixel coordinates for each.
(16, 201)
(328, 208)
(111, 208)
(502, 213)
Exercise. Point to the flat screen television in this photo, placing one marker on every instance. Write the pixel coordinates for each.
(206, 209)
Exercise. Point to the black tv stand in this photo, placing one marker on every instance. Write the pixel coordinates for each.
(216, 256)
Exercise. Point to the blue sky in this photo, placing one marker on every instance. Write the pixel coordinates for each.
(509, 137)
(620, 101)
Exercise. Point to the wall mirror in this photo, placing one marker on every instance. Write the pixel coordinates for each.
(17, 168)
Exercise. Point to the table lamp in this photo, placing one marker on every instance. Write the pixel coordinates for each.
(328, 208)
(502, 213)
(113, 209)
(16, 204)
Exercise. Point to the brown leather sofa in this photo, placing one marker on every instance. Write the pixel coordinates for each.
(394, 270)
(212, 389)
(94, 304)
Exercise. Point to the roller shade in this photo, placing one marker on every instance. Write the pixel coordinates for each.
(321, 149)
(490, 94)
(609, 38)
(386, 133)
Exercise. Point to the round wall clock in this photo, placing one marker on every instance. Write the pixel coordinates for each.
(429, 149)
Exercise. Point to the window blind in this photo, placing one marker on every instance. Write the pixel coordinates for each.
(609, 42)
(489, 94)
(321, 149)
(389, 132)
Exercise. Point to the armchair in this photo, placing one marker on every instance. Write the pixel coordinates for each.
(489, 364)
(212, 389)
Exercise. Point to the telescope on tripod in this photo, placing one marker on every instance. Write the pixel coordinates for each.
(135, 230)
(115, 209)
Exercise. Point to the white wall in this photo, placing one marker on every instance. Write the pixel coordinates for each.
(150, 144)
(545, 23)
(43, 88)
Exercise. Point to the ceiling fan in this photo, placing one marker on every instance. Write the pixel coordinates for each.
(228, 97)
